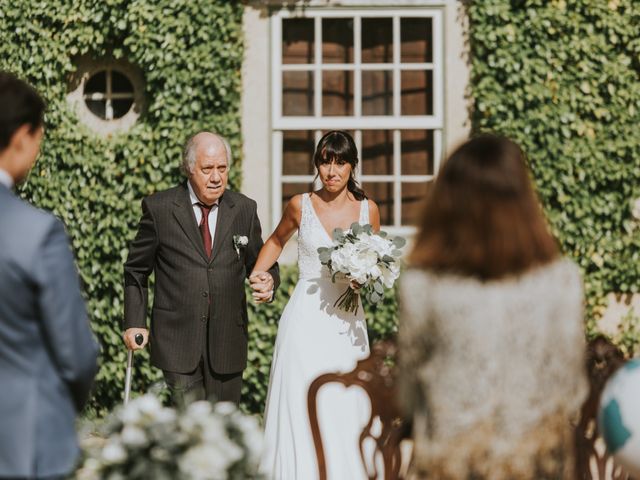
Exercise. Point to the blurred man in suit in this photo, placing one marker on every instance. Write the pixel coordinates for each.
(47, 351)
(202, 242)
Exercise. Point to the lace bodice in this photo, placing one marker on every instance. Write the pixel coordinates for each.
(312, 235)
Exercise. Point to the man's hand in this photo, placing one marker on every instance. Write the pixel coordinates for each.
(129, 337)
(262, 285)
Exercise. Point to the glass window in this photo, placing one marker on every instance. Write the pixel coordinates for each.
(297, 40)
(108, 94)
(376, 73)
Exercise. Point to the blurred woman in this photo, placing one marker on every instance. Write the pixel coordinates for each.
(491, 328)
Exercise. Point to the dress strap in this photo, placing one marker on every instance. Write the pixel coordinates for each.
(364, 211)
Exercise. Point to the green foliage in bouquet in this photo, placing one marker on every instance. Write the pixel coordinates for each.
(562, 78)
(190, 54)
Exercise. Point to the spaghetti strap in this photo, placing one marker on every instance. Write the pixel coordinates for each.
(364, 211)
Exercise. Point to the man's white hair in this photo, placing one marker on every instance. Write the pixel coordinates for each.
(189, 152)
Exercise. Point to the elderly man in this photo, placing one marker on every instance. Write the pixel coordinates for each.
(202, 241)
(47, 351)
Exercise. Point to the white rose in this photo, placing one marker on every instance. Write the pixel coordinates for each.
(199, 409)
(224, 408)
(147, 405)
(381, 245)
(133, 436)
(389, 276)
(375, 272)
(113, 451)
(203, 462)
(213, 429)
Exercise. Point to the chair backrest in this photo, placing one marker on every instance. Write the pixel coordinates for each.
(593, 461)
(376, 376)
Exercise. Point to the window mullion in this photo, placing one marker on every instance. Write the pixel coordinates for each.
(317, 77)
(357, 60)
(108, 108)
(397, 186)
(276, 173)
(396, 66)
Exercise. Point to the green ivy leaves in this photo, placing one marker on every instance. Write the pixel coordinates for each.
(562, 79)
(190, 54)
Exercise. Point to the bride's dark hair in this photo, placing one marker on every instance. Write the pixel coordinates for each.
(339, 145)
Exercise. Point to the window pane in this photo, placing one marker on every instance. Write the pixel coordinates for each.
(291, 189)
(120, 83)
(97, 83)
(417, 152)
(413, 196)
(337, 40)
(382, 194)
(121, 107)
(377, 93)
(416, 93)
(97, 107)
(297, 152)
(377, 152)
(297, 40)
(337, 93)
(377, 40)
(297, 93)
(416, 36)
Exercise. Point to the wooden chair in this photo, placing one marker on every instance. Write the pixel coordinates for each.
(593, 461)
(376, 376)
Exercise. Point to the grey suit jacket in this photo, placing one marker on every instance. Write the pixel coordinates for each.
(47, 351)
(196, 299)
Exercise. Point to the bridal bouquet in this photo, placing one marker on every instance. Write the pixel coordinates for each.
(370, 261)
(147, 440)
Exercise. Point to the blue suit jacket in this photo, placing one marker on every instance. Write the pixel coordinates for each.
(47, 351)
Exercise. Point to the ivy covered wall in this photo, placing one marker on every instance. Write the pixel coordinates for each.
(562, 77)
(190, 54)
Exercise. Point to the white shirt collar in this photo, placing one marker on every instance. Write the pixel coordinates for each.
(192, 195)
(6, 179)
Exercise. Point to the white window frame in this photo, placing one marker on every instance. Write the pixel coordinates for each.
(395, 123)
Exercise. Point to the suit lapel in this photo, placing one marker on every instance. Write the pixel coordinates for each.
(226, 214)
(183, 211)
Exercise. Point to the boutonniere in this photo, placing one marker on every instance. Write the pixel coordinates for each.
(240, 241)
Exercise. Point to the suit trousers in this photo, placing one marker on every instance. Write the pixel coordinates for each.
(203, 383)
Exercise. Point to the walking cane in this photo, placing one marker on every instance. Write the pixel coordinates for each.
(127, 378)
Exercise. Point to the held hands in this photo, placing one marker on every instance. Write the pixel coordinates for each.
(129, 338)
(262, 285)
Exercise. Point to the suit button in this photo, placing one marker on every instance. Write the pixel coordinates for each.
(204, 318)
(205, 294)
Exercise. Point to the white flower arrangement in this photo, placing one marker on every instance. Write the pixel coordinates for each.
(370, 261)
(147, 440)
(240, 241)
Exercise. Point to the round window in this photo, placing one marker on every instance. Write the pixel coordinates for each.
(108, 94)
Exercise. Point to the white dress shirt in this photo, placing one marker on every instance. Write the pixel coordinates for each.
(6, 179)
(213, 214)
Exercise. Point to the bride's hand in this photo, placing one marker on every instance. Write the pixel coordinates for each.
(355, 286)
(262, 285)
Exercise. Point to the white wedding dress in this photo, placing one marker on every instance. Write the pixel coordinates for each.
(314, 338)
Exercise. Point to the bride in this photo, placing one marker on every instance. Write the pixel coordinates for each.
(314, 337)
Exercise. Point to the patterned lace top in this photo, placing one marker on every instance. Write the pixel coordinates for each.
(491, 371)
(312, 235)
